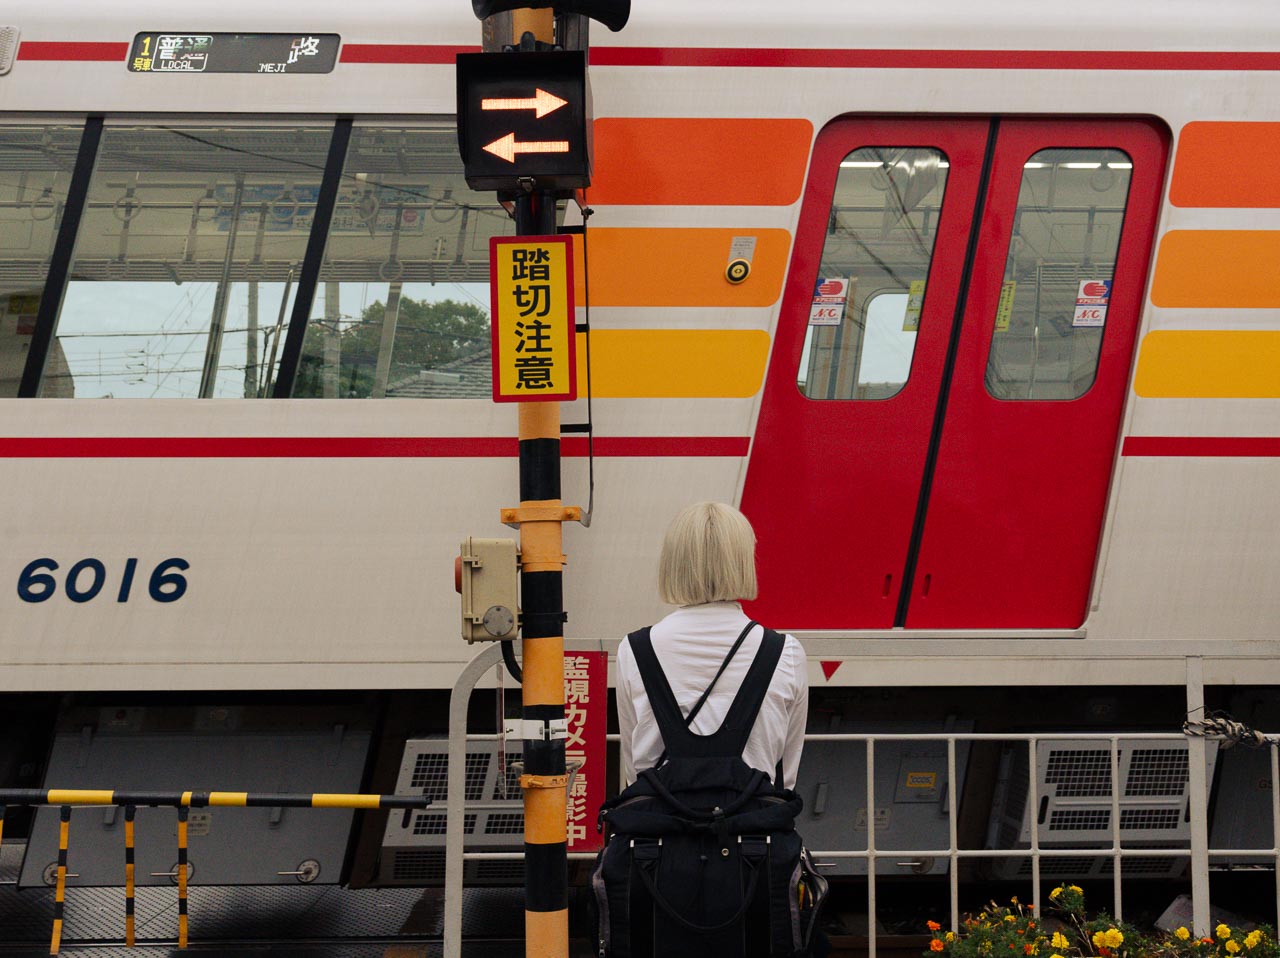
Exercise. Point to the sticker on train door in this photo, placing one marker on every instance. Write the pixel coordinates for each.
(915, 303)
(1004, 312)
(1091, 302)
(829, 299)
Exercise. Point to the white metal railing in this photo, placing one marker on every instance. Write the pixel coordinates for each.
(1197, 786)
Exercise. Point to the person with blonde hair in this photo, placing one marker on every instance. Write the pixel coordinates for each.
(706, 568)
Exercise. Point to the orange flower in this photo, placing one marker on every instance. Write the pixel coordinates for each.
(1028, 949)
(936, 945)
(932, 925)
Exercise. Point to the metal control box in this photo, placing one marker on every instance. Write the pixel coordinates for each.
(911, 797)
(489, 580)
(1073, 807)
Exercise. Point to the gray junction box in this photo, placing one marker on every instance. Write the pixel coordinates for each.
(911, 803)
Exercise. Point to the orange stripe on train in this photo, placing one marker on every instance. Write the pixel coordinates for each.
(1222, 269)
(699, 161)
(1226, 165)
(680, 267)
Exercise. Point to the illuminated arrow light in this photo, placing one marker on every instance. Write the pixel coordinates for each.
(507, 147)
(541, 103)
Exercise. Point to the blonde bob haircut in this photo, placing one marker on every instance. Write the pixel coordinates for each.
(708, 555)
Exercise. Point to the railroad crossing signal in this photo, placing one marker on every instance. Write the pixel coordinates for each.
(524, 121)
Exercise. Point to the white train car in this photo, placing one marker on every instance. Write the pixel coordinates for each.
(999, 392)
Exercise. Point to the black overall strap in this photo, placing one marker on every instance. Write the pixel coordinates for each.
(731, 738)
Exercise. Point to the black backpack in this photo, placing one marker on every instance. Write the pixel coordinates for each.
(703, 859)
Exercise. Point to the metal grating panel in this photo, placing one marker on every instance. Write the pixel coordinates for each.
(1157, 771)
(1016, 798)
(435, 823)
(1150, 817)
(509, 785)
(418, 865)
(431, 774)
(1145, 866)
(8, 48)
(1079, 772)
(1064, 866)
(501, 873)
(504, 823)
(1079, 819)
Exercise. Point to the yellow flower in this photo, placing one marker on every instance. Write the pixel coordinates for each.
(1053, 895)
(950, 936)
(1252, 939)
(1059, 940)
(1010, 918)
(1113, 938)
(1182, 934)
(1014, 899)
(1222, 931)
(1077, 889)
(1233, 946)
(1099, 939)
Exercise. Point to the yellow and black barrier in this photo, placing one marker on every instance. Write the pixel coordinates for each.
(66, 798)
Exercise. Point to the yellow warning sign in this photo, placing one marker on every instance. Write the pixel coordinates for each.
(922, 779)
(534, 350)
(1004, 312)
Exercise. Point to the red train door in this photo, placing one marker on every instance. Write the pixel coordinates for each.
(939, 421)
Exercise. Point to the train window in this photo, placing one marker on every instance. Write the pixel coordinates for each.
(186, 259)
(871, 281)
(36, 161)
(1058, 274)
(402, 309)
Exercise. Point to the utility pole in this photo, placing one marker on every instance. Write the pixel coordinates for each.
(545, 782)
(524, 120)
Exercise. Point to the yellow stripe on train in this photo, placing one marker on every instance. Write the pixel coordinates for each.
(674, 363)
(1209, 364)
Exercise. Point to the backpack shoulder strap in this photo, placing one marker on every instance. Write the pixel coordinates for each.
(741, 717)
(666, 710)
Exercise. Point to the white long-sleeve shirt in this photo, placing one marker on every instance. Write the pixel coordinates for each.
(690, 644)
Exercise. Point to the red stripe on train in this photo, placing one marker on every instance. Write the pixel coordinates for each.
(63, 51)
(1217, 446)
(755, 57)
(934, 59)
(415, 53)
(358, 447)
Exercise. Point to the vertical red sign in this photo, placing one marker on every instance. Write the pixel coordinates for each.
(586, 690)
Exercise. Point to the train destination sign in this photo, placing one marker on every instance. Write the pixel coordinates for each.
(234, 53)
(534, 346)
(524, 119)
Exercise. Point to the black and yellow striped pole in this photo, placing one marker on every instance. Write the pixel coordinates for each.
(183, 811)
(60, 889)
(546, 872)
(130, 812)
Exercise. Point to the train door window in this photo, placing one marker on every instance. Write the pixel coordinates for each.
(870, 285)
(1058, 274)
(403, 304)
(186, 260)
(36, 161)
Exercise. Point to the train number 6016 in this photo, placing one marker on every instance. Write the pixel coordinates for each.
(86, 579)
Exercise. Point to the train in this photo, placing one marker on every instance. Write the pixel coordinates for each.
(997, 389)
